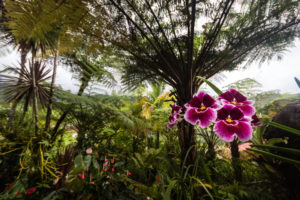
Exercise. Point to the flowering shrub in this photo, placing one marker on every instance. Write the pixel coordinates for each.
(232, 114)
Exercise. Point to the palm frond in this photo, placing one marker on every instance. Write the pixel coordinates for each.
(20, 86)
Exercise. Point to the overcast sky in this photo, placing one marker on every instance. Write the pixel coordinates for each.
(276, 74)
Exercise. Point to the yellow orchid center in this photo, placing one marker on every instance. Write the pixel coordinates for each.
(228, 120)
(234, 102)
(202, 108)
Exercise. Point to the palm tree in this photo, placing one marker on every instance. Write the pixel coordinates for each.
(164, 40)
(9, 40)
(20, 86)
(26, 26)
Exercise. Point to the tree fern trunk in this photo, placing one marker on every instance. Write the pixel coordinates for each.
(187, 141)
(49, 109)
(186, 132)
(236, 164)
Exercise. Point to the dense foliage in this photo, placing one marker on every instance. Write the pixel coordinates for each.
(162, 137)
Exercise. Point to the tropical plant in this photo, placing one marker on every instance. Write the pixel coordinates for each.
(20, 86)
(164, 42)
(87, 69)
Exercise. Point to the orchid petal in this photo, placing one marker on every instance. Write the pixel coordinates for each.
(208, 101)
(236, 114)
(248, 110)
(227, 96)
(224, 131)
(237, 95)
(195, 102)
(244, 131)
(255, 121)
(225, 111)
(170, 126)
(205, 117)
(191, 116)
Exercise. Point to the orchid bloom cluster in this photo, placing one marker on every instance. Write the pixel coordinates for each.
(232, 113)
(175, 116)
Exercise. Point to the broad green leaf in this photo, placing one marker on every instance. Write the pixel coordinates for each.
(211, 85)
(78, 162)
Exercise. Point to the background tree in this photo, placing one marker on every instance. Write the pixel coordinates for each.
(86, 68)
(176, 42)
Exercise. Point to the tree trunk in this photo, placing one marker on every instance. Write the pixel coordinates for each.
(35, 103)
(187, 141)
(236, 164)
(186, 131)
(12, 112)
(49, 109)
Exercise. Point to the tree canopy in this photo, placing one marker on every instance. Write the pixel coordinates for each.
(176, 41)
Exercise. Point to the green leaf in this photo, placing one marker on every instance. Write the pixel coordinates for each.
(167, 195)
(95, 163)
(273, 141)
(282, 149)
(211, 85)
(78, 162)
(203, 185)
(257, 136)
(285, 128)
(271, 155)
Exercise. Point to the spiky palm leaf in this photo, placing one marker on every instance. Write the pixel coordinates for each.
(19, 86)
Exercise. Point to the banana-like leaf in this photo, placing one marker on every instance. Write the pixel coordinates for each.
(271, 155)
(211, 85)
